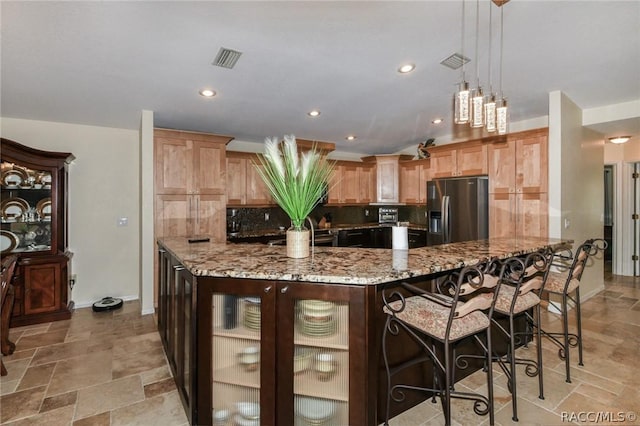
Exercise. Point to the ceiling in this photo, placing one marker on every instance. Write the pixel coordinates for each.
(101, 63)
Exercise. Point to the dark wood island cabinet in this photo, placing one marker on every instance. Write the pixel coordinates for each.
(247, 329)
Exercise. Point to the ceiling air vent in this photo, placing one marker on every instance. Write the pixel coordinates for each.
(455, 61)
(226, 58)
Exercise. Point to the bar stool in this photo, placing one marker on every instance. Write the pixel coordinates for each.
(432, 318)
(519, 294)
(6, 305)
(564, 282)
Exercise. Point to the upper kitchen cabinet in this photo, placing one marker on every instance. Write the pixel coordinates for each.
(190, 183)
(387, 176)
(413, 181)
(34, 227)
(462, 159)
(189, 162)
(352, 183)
(519, 163)
(518, 200)
(245, 187)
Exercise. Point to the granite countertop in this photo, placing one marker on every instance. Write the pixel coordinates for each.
(337, 265)
(332, 229)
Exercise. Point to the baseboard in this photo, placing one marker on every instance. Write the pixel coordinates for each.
(79, 305)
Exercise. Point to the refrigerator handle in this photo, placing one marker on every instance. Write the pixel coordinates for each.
(445, 219)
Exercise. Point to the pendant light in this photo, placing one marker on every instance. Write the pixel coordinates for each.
(490, 101)
(502, 111)
(461, 98)
(477, 97)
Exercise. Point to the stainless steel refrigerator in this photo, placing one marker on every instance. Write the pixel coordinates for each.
(457, 210)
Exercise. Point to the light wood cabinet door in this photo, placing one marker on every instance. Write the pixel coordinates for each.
(387, 187)
(257, 191)
(522, 215)
(173, 215)
(236, 180)
(208, 162)
(531, 164)
(533, 214)
(367, 178)
(172, 166)
(335, 183)
(350, 184)
(471, 160)
(410, 182)
(502, 168)
(425, 176)
(209, 216)
(443, 164)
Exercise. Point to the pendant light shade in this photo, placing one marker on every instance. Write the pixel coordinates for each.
(502, 117)
(461, 104)
(490, 113)
(477, 108)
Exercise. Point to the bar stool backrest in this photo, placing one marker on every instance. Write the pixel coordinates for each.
(578, 262)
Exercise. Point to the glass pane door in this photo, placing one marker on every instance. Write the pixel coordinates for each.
(321, 362)
(236, 355)
(26, 210)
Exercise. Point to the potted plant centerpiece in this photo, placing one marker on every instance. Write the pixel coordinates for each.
(296, 182)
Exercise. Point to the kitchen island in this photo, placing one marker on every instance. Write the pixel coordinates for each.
(315, 324)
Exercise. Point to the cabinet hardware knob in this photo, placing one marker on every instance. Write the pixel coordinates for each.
(284, 289)
(267, 289)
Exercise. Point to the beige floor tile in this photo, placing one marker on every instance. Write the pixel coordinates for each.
(39, 340)
(29, 353)
(102, 419)
(15, 370)
(529, 414)
(36, 376)
(59, 401)
(21, 404)
(59, 417)
(419, 414)
(36, 329)
(8, 387)
(137, 343)
(135, 363)
(165, 409)
(80, 372)
(155, 375)
(109, 396)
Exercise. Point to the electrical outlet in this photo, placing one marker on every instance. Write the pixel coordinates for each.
(123, 221)
(567, 223)
(266, 217)
(73, 280)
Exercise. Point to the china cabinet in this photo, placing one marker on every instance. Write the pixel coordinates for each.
(34, 227)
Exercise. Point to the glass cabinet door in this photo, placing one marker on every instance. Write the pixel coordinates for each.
(321, 362)
(26, 211)
(236, 359)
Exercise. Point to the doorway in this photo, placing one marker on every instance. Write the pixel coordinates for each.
(609, 205)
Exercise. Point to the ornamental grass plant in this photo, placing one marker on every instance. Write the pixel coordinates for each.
(296, 181)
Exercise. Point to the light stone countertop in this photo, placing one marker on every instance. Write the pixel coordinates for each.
(332, 229)
(338, 265)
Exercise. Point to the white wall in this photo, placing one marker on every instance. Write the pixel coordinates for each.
(576, 160)
(103, 186)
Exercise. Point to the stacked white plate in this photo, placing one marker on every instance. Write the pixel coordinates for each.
(317, 318)
(251, 316)
(248, 414)
(315, 411)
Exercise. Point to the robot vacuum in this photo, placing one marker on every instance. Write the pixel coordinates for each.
(107, 304)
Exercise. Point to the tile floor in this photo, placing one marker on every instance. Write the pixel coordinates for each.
(109, 369)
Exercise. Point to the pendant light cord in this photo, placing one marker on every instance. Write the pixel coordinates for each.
(462, 39)
(501, 46)
(477, 36)
(490, 44)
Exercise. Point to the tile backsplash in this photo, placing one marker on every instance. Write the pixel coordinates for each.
(254, 219)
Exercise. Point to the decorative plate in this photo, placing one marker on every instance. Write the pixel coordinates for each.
(13, 208)
(8, 241)
(44, 208)
(13, 178)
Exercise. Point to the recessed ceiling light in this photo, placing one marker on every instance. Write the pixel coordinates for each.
(406, 68)
(437, 121)
(207, 93)
(313, 113)
(351, 138)
(619, 139)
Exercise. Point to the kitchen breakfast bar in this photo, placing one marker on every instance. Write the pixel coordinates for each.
(256, 338)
